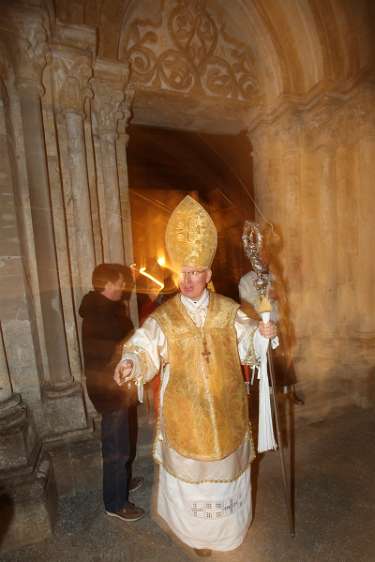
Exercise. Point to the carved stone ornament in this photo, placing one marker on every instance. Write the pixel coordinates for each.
(187, 50)
(107, 105)
(71, 72)
(27, 39)
(109, 95)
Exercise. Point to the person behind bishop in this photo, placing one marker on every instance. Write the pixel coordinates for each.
(203, 441)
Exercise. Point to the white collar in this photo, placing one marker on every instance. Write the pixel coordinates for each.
(202, 302)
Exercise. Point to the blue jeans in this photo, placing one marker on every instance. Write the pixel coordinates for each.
(119, 439)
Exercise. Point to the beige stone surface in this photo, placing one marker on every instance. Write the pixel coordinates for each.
(292, 82)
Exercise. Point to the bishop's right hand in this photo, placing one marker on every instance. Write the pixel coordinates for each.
(123, 372)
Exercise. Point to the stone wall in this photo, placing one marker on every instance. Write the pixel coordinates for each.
(312, 168)
(64, 202)
(64, 208)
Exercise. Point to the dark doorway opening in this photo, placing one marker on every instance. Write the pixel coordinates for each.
(165, 165)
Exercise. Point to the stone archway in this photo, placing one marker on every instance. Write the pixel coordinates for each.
(308, 86)
(297, 78)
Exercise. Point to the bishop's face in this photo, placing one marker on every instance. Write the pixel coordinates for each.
(193, 281)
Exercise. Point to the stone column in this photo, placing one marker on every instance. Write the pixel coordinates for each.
(287, 146)
(28, 65)
(277, 178)
(347, 203)
(321, 144)
(60, 227)
(122, 163)
(72, 52)
(63, 397)
(365, 159)
(59, 370)
(71, 70)
(26, 475)
(109, 92)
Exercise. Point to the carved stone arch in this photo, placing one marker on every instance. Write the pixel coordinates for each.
(184, 47)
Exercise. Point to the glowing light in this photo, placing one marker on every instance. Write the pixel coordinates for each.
(143, 271)
(161, 261)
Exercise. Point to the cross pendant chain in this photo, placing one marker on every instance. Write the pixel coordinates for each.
(206, 354)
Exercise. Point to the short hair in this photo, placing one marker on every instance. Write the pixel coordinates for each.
(105, 272)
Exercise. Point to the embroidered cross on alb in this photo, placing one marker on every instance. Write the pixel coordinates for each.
(206, 354)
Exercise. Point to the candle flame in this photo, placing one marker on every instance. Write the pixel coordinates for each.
(143, 271)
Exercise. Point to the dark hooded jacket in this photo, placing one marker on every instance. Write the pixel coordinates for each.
(105, 326)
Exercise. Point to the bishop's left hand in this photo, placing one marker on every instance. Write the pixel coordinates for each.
(267, 330)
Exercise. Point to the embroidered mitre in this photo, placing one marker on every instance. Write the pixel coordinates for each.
(191, 236)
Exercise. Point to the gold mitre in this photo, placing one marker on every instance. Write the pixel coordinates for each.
(190, 237)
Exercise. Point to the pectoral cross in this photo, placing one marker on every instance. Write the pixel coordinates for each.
(206, 354)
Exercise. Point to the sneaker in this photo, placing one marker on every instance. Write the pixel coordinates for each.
(128, 513)
(136, 483)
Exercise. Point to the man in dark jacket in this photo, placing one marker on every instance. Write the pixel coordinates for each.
(106, 324)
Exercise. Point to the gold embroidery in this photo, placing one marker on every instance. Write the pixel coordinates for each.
(205, 406)
(251, 358)
(169, 467)
(206, 353)
(190, 237)
(217, 481)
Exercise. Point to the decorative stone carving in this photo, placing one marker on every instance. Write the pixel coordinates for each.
(71, 71)
(26, 32)
(122, 168)
(107, 107)
(187, 50)
(127, 111)
(46, 288)
(109, 93)
(322, 127)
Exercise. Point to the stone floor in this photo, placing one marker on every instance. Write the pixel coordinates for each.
(334, 505)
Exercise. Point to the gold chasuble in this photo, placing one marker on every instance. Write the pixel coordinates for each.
(205, 415)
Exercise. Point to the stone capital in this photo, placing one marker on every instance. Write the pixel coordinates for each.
(129, 101)
(122, 134)
(26, 32)
(109, 103)
(71, 70)
(127, 113)
(287, 130)
(321, 124)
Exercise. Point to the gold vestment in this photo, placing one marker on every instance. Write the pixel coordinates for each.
(205, 412)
